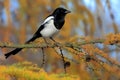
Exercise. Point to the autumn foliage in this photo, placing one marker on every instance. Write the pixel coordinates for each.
(87, 50)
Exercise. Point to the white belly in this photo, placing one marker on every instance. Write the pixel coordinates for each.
(49, 30)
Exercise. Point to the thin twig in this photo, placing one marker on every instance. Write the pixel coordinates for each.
(43, 59)
(63, 59)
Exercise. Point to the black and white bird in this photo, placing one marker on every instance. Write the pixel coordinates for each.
(51, 26)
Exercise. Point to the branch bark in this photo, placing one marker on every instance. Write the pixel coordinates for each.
(76, 44)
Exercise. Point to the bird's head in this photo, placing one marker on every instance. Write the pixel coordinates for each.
(61, 12)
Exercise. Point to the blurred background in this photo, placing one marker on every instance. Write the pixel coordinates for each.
(19, 20)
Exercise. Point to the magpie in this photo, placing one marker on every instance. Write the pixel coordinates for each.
(51, 26)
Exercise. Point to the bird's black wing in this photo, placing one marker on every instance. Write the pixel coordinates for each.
(36, 35)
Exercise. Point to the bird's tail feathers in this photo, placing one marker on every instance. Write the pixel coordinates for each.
(19, 49)
(13, 52)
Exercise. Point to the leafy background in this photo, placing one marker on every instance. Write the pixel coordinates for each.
(90, 19)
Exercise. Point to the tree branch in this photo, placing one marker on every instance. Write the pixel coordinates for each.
(42, 45)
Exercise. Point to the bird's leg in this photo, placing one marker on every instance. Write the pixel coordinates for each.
(45, 41)
(53, 39)
(56, 43)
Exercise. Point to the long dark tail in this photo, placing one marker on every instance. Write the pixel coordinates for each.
(19, 49)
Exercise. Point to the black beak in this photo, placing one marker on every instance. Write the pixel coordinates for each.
(67, 11)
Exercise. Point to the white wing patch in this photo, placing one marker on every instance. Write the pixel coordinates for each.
(48, 19)
(49, 29)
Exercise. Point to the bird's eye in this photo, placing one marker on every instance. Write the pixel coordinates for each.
(62, 11)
